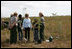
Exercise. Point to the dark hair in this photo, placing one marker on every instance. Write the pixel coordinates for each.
(26, 15)
(41, 14)
(11, 15)
(15, 13)
(20, 16)
(36, 20)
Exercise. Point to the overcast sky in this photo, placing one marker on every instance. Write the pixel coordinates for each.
(34, 7)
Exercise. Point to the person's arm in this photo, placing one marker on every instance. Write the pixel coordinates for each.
(33, 25)
(13, 24)
(30, 24)
(23, 24)
(9, 25)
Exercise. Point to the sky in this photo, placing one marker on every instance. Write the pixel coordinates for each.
(34, 7)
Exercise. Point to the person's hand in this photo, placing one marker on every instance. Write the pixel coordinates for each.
(16, 24)
(22, 28)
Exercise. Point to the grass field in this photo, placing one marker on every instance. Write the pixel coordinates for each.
(56, 26)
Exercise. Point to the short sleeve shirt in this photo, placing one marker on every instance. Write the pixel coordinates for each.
(12, 20)
(42, 19)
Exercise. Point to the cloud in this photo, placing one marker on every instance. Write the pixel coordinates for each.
(34, 7)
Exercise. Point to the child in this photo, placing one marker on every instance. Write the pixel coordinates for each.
(35, 29)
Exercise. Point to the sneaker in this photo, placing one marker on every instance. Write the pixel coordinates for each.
(25, 39)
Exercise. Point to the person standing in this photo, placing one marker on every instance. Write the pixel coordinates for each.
(27, 25)
(20, 20)
(12, 27)
(41, 26)
(15, 28)
(35, 30)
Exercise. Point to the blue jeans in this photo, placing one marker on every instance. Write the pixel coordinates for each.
(20, 35)
(36, 37)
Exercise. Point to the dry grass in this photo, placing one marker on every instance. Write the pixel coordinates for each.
(55, 26)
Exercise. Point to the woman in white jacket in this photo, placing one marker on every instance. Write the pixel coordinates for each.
(27, 25)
